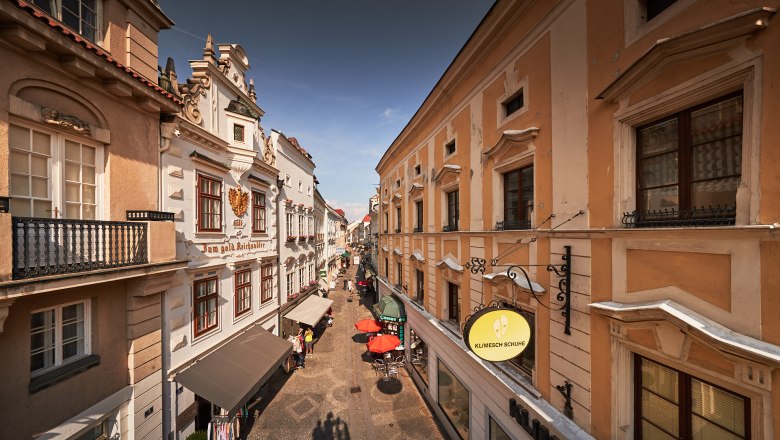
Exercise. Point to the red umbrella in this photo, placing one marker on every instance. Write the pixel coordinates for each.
(383, 343)
(367, 326)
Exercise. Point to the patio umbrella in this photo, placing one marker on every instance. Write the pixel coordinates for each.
(383, 343)
(367, 326)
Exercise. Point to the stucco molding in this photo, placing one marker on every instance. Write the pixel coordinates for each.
(449, 263)
(191, 93)
(714, 334)
(509, 138)
(519, 280)
(716, 37)
(447, 170)
(5, 307)
(416, 190)
(417, 255)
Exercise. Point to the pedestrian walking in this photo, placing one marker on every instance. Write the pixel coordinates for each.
(350, 286)
(308, 340)
(297, 350)
(298, 347)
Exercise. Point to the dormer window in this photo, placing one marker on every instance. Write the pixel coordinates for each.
(417, 170)
(80, 15)
(238, 133)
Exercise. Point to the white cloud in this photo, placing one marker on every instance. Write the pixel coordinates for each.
(389, 116)
(353, 210)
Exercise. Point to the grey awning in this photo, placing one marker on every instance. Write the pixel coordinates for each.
(230, 375)
(310, 311)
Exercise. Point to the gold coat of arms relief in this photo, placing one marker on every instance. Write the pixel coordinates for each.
(239, 201)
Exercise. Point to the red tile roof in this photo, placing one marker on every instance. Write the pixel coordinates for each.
(367, 219)
(75, 36)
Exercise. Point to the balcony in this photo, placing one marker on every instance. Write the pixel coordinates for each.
(44, 247)
(674, 218)
(513, 225)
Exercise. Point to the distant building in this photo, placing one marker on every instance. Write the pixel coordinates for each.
(218, 174)
(86, 256)
(624, 155)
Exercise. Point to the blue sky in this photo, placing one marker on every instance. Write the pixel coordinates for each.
(342, 76)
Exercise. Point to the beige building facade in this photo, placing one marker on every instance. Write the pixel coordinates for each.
(85, 254)
(636, 138)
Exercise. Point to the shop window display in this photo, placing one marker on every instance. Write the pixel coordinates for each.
(419, 356)
(454, 400)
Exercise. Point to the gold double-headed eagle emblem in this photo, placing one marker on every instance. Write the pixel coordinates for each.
(239, 201)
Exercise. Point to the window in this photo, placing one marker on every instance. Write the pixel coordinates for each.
(453, 313)
(36, 192)
(300, 186)
(419, 208)
(100, 431)
(399, 274)
(301, 228)
(453, 210)
(398, 183)
(496, 431)
(449, 148)
(258, 211)
(419, 351)
(308, 190)
(311, 225)
(387, 221)
(513, 104)
(301, 280)
(387, 268)
(691, 160)
(398, 219)
(417, 170)
(266, 283)
(290, 217)
(290, 284)
(672, 404)
(58, 335)
(525, 361)
(206, 294)
(453, 400)
(80, 15)
(518, 198)
(238, 133)
(243, 286)
(209, 204)
(420, 291)
(654, 7)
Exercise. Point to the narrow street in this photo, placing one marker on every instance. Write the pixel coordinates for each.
(338, 395)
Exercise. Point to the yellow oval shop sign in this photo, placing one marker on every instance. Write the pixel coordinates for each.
(497, 334)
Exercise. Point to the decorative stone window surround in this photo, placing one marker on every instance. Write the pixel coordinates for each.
(636, 25)
(522, 141)
(511, 87)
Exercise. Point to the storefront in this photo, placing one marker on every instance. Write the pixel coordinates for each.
(224, 386)
(392, 314)
(306, 313)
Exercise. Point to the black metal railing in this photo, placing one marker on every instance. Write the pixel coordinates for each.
(507, 225)
(397, 230)
(674, 218)
(449, 228)
(151, 216)
(418, 229)
(43, 246)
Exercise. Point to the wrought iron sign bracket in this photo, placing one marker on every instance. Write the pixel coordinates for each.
(477, 266)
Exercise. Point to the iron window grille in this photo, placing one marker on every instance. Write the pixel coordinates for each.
(238, 133)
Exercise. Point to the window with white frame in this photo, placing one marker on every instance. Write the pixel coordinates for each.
(53, 175)
(266, 283)
(301, 227)
(290, 283)
(59, 335)
(290, 223)
(301, 279)
(80, 15)
(238, 133)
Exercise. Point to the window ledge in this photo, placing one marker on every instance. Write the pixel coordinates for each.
(63, 372)
(451, 327)
(519, 378)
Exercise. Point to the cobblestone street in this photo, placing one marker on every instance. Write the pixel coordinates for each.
(338, 395)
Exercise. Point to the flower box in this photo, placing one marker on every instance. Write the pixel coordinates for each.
(301, 238)
(312, 282)
(290, 238)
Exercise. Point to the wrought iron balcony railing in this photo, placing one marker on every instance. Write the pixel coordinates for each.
(43, 246)
(449, 228)
(674, 218)
(418, 229)
(397, 230)
(513, 225)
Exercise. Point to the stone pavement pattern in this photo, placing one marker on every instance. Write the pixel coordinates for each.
(321, 401)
